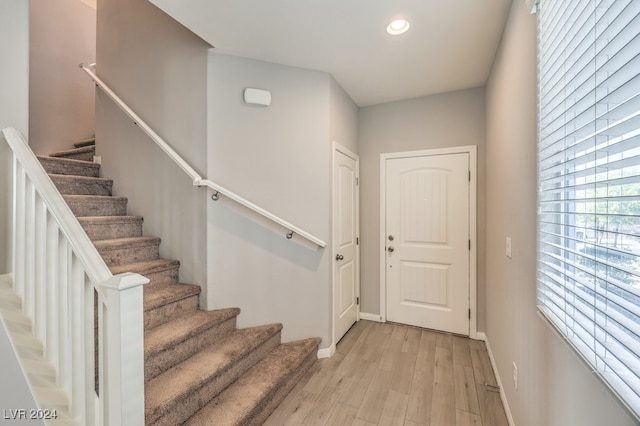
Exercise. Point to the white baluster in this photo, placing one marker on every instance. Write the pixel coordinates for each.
(64, 269)
(40, 253)
(52, 277)
(29, 255)
(19, 234)
(76, 317)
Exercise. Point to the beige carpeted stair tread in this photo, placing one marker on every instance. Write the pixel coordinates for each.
(66, 166)
(209, 370)
(85, 142)
(121, 251)
(96, 205)
(159, 271)
(156, 296)
(109, 227)
(117, 243)
(74, 151)
(81, 185)
(173, 333)
(251, 399)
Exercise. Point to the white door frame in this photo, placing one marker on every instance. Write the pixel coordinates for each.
(339, 148)
(472, 151)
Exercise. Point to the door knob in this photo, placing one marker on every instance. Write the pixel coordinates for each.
(390, 237)
(339, 257)
(390, 249)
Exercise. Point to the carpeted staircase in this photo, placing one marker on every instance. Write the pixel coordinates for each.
(199, 368)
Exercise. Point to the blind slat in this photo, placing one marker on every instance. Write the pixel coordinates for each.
(588, 252)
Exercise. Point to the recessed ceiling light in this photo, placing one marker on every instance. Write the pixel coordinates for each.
(397, 27)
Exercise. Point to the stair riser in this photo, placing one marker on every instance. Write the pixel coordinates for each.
(70, 186)
(170, 311)
(159, 362)
(54, 166)
(86, 142)
(104, 207)
(85, 153)
(168, 276)
(109, 231)
(84, 156)
(181, 410)
(261, 412)
(137, 253)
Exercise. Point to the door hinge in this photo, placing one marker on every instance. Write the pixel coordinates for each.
(357, 241)
(357, 181)
(469, 245)
(469, 175)
(357, 300)
(469, 313)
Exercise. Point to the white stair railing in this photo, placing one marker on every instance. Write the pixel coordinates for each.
(195, 177)
(61, 279)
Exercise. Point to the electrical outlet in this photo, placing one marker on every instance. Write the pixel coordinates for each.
(508, 244)
(515, 376)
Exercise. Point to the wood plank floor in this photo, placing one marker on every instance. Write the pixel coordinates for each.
(391, 374)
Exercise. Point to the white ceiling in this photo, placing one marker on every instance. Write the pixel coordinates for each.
(450, 46)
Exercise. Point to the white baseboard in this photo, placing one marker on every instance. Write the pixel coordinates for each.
(327, 352)
(482, 336)
(370, 317)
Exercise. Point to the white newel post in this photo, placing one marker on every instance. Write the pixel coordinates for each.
(122, 353)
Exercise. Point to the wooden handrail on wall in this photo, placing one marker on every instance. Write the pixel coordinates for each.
(195, 177)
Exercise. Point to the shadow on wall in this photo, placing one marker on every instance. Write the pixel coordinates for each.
(234, 219)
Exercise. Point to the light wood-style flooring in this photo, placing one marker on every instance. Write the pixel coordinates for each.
(392, 374)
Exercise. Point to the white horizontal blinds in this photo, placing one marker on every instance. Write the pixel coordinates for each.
(589, 182)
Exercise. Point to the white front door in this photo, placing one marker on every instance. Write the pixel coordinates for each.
(345, 242)
(427, 241)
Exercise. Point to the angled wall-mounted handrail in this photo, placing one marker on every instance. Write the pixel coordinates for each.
(195, 177)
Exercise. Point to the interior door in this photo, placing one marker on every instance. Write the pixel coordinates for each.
(346, 274)
(427, 241)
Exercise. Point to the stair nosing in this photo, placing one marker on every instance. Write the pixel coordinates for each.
(95, 197)
(80, 177)
(81, 163)
(123, 242)
(117, 218)
(81, 150)
(141, 267)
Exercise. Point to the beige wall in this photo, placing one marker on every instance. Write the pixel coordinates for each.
(343, 117)
(62, 97)
(160, 69)
(14, 104)
(555, 387)
(439, 121)
(279, 158)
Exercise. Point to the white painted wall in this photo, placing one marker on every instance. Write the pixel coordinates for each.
(343, 116)
(62, 97)
(160, 69)
(14, 101)
(439, 121)
(555, 387)
(279, 158)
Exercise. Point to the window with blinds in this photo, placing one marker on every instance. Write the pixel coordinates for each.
(588, 254)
